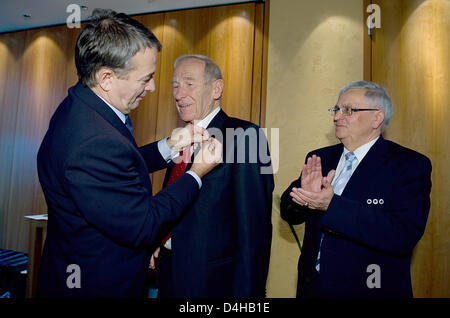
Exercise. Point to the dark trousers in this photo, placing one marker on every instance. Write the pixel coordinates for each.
(165, 273)
(310, 287)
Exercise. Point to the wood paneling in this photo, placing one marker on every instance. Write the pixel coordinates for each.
(42, 71)
(411, 59)
(11, 48)
(37, 68)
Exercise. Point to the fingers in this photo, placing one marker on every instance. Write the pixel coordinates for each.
(155, 255)
(313, 165)
(209, 156)
(330, 175)
(210, 152)
(315, 200)
(214, 148)
(182, 138)
(302, 198)
(316, 164)
(200, 134)
(296, 198)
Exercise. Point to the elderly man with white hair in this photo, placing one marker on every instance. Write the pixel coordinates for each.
(364, 201)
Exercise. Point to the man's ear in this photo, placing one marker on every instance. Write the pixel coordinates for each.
(379, 118)
(218, 88)
(103, 78)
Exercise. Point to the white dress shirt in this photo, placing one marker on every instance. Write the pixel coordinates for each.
(360, 153)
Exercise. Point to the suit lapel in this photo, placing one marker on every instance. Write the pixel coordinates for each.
(374, 160)
(331, 159)
(93, 101)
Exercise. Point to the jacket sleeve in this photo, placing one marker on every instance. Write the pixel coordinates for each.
(253, 207)
(394, 227)
(103, 179)
(153, 157)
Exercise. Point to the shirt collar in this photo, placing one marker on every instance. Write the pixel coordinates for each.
(118, 112)
(361, 151)
(204, 123)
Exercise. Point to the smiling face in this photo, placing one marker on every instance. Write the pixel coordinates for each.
(194, 97)
(127, 91)
(360, 127)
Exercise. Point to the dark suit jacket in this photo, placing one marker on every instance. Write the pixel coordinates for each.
(102, 216)
(359, 232)
(221, 247)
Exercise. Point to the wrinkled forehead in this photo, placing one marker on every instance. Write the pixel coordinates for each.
(191, 67)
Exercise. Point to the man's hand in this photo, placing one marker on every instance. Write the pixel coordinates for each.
(155, 255)
(182, 138)
(315, 200)
(209, 156)
(312, 174)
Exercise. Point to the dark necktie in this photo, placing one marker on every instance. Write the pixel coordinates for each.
(128, 124)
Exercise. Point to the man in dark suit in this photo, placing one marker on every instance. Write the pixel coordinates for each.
(365, 203)
(102, 218)
(221, 247)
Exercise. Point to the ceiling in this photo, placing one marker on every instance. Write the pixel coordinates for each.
(26, 14)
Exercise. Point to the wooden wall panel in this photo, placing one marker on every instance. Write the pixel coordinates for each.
(231, 46)
(43, 71)
(144, 117)
(411, 59)
(10, 67)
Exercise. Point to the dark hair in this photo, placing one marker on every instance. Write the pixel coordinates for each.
(110, 39)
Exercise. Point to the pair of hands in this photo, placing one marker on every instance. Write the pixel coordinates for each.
(316, 191)
(210, 154)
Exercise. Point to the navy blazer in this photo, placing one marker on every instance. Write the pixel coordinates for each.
(101, 213)
(378, 219)
(221, 247)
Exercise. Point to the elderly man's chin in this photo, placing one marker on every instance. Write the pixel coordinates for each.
(187, 117)
(339, 132)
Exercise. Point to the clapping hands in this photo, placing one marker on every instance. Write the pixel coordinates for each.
(316, 191)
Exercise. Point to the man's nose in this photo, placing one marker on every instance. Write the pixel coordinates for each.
(151, 86)
(337, 115)
(178, 93)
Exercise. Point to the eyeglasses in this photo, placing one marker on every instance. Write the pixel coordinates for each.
(347, 110)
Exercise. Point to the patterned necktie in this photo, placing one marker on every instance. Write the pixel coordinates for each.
(179, 167)
(128, 124)
(338, 188)
(177, 171)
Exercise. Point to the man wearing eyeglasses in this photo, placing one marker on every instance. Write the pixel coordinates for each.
(364, 202)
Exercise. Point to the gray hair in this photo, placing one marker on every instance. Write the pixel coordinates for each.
(212, 70)
(376, 94)
(110, 40)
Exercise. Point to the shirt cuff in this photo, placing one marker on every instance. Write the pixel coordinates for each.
(165, 150)
(196, 177)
